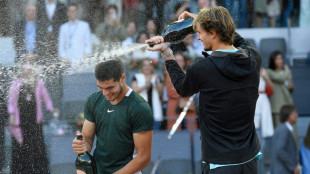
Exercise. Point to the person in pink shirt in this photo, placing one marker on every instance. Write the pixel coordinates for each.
(26, 95)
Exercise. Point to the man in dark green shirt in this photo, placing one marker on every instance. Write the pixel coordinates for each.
(121, 120)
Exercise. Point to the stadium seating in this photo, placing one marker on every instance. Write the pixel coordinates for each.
(173, 152)
(268, 45)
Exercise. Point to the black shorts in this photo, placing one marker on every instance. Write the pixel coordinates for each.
(247, 168)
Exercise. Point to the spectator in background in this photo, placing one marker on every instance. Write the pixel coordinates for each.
(287, 8)
(273, 11)
(284, 149)
(74, 37)
(170, 5)
(263, 118)
(155, 10)
(304, 16)
(150, 87)
(26, 95)
(193, 52)
(305, 153)
(176, 102)
(206, 3)
(281, 78)
(51, 15)
(143, 53)
(260, 10)
(238, 10)
(131, 32)
(111, 30)
(26, 32)
(151, 28)
(179, 8)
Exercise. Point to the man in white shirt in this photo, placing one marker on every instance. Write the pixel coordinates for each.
(74, 37)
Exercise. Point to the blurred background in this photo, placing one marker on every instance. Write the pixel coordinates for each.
(60, 41)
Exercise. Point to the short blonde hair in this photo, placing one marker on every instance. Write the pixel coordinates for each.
(218, 19)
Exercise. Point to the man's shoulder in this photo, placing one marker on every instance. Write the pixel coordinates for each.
(94, 97)
(135, 99)
(282, 128)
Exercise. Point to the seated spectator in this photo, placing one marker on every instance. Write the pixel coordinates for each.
(176, 103)
(74, 37)
(150, 87)
(284, 149)
(305, 153)
(143, 53)
(111, 30)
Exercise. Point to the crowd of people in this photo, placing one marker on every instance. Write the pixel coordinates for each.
(52, 33)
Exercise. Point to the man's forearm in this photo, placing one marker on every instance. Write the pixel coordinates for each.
(134, 165)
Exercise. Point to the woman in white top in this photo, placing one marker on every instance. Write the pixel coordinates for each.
(263, 117)
(150, 87)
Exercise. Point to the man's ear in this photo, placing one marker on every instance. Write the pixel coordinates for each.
(213, 34)
(123, 78)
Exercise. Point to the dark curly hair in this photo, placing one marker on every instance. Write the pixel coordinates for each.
(111, 69)
(218, 19)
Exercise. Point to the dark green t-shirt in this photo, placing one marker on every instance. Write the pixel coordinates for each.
(115, 125)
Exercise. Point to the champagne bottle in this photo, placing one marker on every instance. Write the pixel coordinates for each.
(177, 31)
(85, 163)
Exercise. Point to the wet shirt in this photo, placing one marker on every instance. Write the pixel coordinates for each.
(115, 126)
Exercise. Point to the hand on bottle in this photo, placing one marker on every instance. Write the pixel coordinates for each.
(185, 15)
(79, 146)
(159, 44)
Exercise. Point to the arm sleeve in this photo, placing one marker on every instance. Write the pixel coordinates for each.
(61, 43)
(87, 40)
(46, 97)
(279, 78)
(281, 152)
(142, 118)
(185, 84)
(12, 98)
(88, 109)
(239, 41)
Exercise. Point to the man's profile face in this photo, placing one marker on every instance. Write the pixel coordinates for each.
(110, 89)
(293, 117)
(204, 37)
